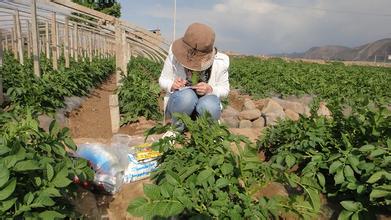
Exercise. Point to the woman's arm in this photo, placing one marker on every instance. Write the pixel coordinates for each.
(221, 85)
(167, 77)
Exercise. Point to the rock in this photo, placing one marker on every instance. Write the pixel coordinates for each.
(61, 118)
(292, 115)
(72, 103)
(271, 189)
(323, 110)
(231, 122)
(261, 103)
(245, 124)
(273, 111)
(305, 100)
(229, 112)
(248, 105)
(252, 133)
(250, 114)
(272, 106)
(44, 122)
(294, 106)
(259, 123)
(347, 111)
(236, 100)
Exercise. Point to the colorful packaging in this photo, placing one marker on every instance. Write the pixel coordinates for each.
(138, 170)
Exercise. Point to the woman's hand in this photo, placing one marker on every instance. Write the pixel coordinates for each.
(203, 88)
(178, 83)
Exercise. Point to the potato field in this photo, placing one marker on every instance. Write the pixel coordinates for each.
(70, 76)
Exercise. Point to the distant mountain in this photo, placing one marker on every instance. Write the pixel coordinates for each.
(378, 50)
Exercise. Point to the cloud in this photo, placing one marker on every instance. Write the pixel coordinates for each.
(249, 6)
(266, 26)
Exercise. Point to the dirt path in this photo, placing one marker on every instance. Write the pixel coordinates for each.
(92, 119)
(91, 122)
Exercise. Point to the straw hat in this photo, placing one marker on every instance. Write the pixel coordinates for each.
(195, 49)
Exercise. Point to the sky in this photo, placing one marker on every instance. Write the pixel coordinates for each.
(268, 26)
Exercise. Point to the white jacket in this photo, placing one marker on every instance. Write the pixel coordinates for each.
(218, 78)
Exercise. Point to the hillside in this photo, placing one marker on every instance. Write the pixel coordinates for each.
(379, 49)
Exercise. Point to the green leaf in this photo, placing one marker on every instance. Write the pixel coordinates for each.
(49, 172)
(379, 193)
(350, 205)
(81, 163)
(226, 168)
(4, 150)
(52, 192)
(349, 174)
(165, 190)
(152, 191)
(360, 189)
(26, 165)
(377, 152)
(37, 181)
(376, 177)
(367, 148)
(168, 208)
(59, 150)
(334, 166)
(8, 189)
(49, 215)
(43, 200)
(4, 175)
(222, 182)
(290, 160)
(315, 199)
(5, 205)
(172, 178)
(189, 171)
(203, 176)
(339, 177)
(353, 160)
(344, 215)
(69, 143)
(54, 128)
(321, 179)
(61, 180)
(10, 161)
(28, 198)
(138, 207)
(355, 216)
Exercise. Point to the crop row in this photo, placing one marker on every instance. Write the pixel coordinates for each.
(139, 92)
(45, 94)
(345, 158)
(333, 82)
(36, 171)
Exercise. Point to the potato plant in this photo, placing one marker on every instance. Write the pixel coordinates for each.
(47, 93)
(36, 171)
(330, 82)
(349, 157)
(139, 92)
(206, 179)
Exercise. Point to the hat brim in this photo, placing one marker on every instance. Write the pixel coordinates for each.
(197, 61)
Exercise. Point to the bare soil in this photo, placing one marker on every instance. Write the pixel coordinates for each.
(92, 119)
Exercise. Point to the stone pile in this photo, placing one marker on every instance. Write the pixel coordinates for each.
(265, 112)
